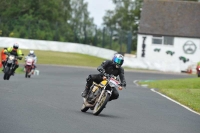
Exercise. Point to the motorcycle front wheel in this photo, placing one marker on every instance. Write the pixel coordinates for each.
(27, 71)
(101, 104)
(7, 73)
(27, 76)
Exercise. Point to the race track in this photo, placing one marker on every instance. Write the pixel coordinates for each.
(51, 102)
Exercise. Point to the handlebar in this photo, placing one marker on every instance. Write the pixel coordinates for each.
(102, 71)
(18, 57)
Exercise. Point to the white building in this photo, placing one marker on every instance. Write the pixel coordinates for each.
(170, 31)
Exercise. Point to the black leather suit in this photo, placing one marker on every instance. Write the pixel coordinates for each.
(110, 68)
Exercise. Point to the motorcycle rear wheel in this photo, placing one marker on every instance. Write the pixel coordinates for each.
(101, 104)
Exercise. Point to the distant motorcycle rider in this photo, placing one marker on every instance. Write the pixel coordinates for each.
(109, 67)
(198, 65)
(3, 57)
(32, 54)
(16, 52)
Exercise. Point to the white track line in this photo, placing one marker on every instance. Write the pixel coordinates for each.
(135, 82)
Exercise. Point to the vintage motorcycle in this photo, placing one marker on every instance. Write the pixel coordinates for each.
(198, 70)
(99, 94)
(28, 67)
(9, 65)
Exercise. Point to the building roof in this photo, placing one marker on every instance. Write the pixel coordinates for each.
(170, 18)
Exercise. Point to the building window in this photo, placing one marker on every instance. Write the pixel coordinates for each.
(157, 40)
(168, 40)
(165, 40)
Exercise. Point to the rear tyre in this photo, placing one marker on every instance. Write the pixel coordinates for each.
(101, 104)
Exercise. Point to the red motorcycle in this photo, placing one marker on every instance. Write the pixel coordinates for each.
(29, 67)
(198, 70)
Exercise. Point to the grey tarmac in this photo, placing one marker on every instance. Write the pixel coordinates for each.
(51, 102)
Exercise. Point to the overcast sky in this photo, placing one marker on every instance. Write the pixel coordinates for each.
(97, 9)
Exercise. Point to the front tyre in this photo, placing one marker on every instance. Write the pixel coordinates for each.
(5, 76)
(101, 104)
(7, 73)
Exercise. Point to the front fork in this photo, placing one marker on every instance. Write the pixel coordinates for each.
(109, 92)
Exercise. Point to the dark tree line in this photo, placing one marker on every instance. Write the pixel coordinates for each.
(70, 21)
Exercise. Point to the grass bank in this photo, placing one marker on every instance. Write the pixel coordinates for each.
(185, 91)
(63, 58)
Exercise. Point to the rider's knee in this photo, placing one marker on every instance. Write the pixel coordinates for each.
(115, 95)
(89, 78)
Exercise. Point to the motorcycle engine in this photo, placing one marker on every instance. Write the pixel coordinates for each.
(93, 94)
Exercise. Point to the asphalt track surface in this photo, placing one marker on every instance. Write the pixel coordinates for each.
(51, 102)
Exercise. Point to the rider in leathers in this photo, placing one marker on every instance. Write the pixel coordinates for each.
(14, 51)
(109, 67)
(32, 54)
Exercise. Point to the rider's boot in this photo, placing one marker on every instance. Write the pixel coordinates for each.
(85, 92)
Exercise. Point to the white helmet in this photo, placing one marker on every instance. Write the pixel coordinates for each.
(31, 52)
(15, 45)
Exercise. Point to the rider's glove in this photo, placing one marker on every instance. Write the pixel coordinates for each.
(100, 69)
(20, 58)
(124, 84)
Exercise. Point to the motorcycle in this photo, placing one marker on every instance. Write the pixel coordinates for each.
(28, 67)
(9, 65)
(198, 70)
(99, 94)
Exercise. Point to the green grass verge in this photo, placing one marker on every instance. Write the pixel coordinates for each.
(63, 58)
(185, 91)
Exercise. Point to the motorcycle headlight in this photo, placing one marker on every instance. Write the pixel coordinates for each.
(199, 68)
(111, 84)
(11, 57)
